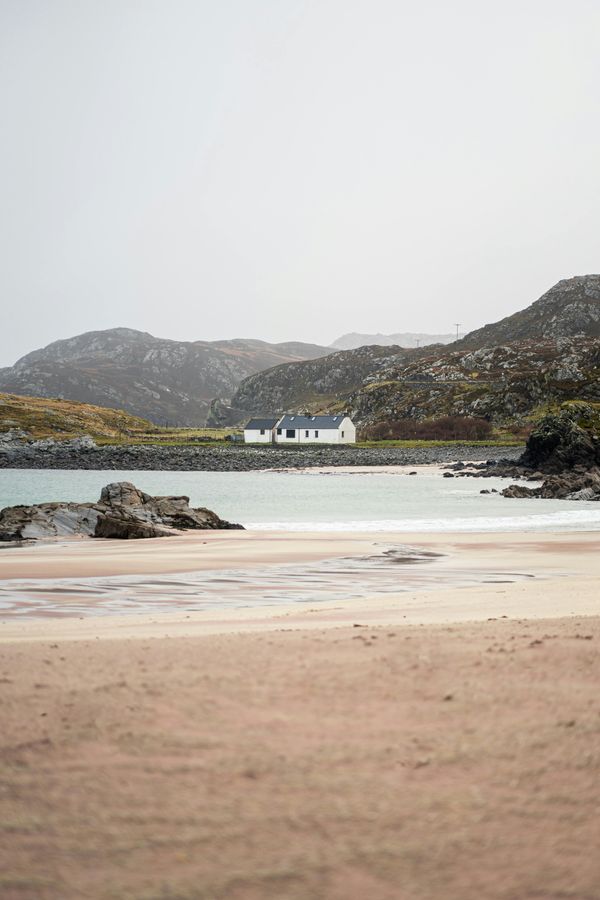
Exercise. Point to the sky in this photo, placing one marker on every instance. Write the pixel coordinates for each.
(292, 169)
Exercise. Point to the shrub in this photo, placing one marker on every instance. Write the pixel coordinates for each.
(446, 428)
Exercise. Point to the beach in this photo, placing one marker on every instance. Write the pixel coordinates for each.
(435, 742)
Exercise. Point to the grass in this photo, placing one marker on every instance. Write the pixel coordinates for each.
(65, 419)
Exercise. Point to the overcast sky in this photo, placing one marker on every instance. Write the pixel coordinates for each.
(292, 169)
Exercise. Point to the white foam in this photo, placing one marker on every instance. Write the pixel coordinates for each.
(555, 521)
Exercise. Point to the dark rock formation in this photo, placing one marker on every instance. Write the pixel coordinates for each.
(564, 449)
(560, 442)
(578, 485)
(122, 512)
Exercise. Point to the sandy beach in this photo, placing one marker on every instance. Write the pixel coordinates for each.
(426, 744)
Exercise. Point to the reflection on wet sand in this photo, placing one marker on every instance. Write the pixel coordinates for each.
(395, 568)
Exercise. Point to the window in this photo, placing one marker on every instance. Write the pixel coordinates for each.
(342, 434)
(279, 431)
(306, 433)
(262, 430)
(316, 434)
(290, 432)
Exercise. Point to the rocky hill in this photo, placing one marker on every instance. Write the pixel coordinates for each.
(547, 353)
(503, 384)
(569, 308)
(407, 339)
(313, 384)
(168, 382)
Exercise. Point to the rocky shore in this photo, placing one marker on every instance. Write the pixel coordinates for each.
(122, 512)
(562, 456)
(83, 453)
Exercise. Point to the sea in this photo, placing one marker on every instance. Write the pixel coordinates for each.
(317, 501)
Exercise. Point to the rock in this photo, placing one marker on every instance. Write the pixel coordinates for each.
(122, 512)
(125, 525)
(62, 455)
(587, 493)
(519, 491)
(14, 436)
(566, 486)
(559, 442)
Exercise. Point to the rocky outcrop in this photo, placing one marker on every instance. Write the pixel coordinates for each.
(578, 485)
(562, 441)
(167, 382)
(123, 512)
(564, 450)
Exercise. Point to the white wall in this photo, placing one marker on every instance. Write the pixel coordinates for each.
(253, 436)
(326, 435)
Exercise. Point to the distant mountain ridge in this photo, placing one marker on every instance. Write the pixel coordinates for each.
(165, 381)
(546, 352)
(407, 339)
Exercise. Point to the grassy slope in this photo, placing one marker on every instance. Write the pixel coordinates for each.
(64, 419)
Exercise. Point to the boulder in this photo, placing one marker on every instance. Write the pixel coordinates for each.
(123, 512)
(561, 441)
(565, 486)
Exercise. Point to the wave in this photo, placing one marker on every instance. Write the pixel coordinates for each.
(556, 521)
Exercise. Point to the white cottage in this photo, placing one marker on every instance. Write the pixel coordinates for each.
(297, 429)
(315, 430)
(260, 431)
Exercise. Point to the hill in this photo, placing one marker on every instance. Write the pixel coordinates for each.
(168, 382)
(407, 339)
(313, 384)
(546, 353)
(63, 419)
(569, 308)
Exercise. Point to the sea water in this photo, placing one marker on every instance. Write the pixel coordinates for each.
(315, 501)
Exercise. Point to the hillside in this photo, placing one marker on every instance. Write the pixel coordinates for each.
(407, 339)
(504, 384)
(569, 308)
(549, 352)
(168, 382)
(63, 419)
(313, 384)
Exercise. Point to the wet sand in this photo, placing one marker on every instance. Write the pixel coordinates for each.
(467, 577)
(430, 744)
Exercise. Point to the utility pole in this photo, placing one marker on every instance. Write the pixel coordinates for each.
(418, 343)
(457, 326)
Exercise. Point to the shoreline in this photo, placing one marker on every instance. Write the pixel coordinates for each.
(243, 459)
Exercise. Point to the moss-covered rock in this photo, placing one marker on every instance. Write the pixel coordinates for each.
(563, 440)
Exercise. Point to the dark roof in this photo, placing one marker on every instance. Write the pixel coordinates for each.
(258, 424)
(289, 421)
